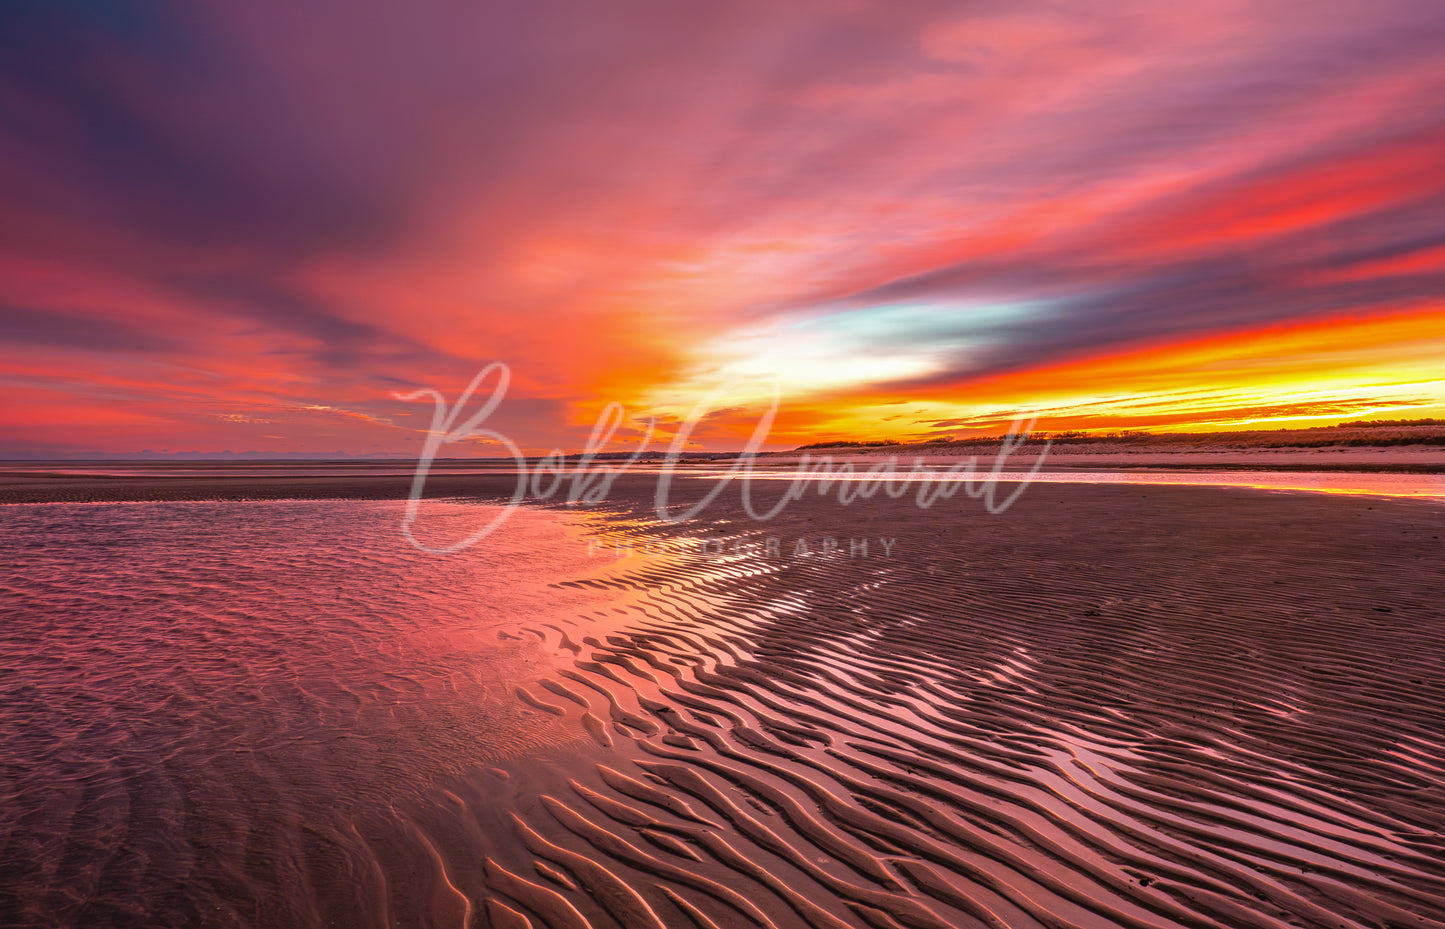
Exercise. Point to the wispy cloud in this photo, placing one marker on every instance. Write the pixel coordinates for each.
(265, 205)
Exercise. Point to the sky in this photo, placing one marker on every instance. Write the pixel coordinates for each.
(255, 227)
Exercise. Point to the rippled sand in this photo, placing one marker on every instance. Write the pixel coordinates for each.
(1108, 706)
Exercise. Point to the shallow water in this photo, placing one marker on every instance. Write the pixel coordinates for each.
(1382, 484)
(225, 714)
(280, 715)
(1419, 486)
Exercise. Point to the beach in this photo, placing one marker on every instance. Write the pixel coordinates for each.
(1103, 705)
(571, 465)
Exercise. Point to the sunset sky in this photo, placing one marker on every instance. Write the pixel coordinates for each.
(249, 226)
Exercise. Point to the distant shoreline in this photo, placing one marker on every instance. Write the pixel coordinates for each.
(1324, 450)
(59, 482)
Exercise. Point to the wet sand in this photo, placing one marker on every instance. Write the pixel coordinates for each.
(1107, 706)
(38, 486)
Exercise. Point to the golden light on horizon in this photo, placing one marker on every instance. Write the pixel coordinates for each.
(1287, 376)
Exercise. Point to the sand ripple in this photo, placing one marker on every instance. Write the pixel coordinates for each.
(920, 741)
(830, 742)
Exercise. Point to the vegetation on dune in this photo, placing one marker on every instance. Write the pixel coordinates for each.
(1377, 423)
(1365, 433)
(875, 443)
